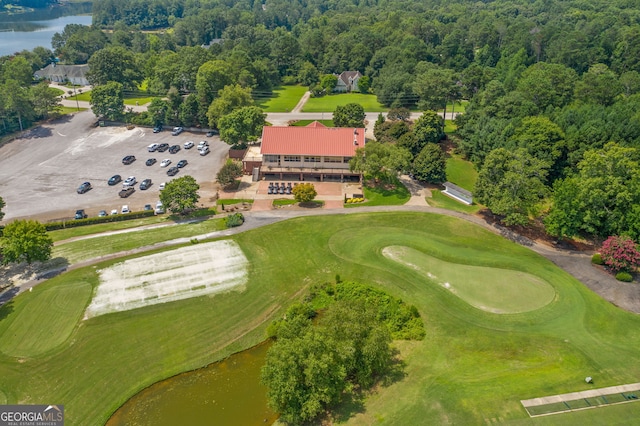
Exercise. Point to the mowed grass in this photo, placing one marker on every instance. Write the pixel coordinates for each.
(461, 172)
(438, 199)
(303, 123)
(473, 367)
(330, 102)
(283, 99)
(384, 196)
(78, 231)
(79, 250)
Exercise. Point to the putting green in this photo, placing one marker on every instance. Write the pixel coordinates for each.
(500, 291)
(46, 321)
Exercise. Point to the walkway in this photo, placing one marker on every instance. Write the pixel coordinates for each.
(591, 393)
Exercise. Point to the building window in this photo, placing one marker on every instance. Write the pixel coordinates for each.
(333, 159)
(311, 159)
(346, 159)
(270, 158)
(291, 158)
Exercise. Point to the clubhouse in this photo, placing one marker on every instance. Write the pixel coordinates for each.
(311, 153)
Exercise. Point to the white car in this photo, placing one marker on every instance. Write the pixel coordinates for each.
(188, 145)
(162, 185)
(165, 162)
(204, 151)
(159, 207)
(152, 147)
(130, 181)
(202, 144)
(114, 211)
(125, 209)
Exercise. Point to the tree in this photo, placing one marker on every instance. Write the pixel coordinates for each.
(18, 69)
(212, 77)
(241, 126)
(25, 240)
(543, 139)
(428, 128)
(108, 101)
(511, 184)
(45, 100)
(180, 194)
(599, 85)
(547, 84)
(229, 172)
(364, 84)
(435, 86)
(328, 82)
(304, 192)
(2, 205)
(402, 114)
(349, 115)
(114, 64)
(158, 110)
(620, 254)
(602, 198)
(380, 161)
(229, 99)
(430, 164)
(308, 74)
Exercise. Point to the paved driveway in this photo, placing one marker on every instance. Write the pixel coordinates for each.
(39, 174)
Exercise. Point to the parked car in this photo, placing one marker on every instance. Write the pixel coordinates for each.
(176, 131)
(188, 145)
(174, 149)
(165, 162)
(84, 187)
(182, 163)
(147, 207)
(125, 192)
(130, 181)
(202, 144)
(114, 211)
(102, 213)
(162, 185)
(204, 151)
(128, 159)
(159, 208)
(114, 179)
(125, 209)
(80, 214)
(150, 162)
(173, 171)
(157, 129)
(212, 132)
(145, 184)
(162, 147)
(152, 147)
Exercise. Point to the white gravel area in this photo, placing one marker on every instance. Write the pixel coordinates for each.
(179, 274)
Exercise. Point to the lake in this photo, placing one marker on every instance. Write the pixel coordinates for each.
(28, 30)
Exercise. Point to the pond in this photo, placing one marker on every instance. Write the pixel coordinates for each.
(224, 393)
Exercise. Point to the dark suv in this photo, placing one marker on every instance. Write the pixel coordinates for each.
(80, 214)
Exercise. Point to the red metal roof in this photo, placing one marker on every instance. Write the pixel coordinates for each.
(311, 140)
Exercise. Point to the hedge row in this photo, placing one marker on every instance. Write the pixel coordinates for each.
(52, 226)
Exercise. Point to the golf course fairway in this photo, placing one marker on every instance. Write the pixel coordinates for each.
(473, 367)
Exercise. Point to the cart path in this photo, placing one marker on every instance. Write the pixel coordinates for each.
(578, 264)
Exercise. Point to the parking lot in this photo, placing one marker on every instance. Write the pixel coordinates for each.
(40, 173)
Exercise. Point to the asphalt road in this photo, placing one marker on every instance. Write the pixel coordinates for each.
(39, 173)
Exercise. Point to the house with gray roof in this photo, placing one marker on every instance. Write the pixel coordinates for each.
(75, 74)
(348, 81)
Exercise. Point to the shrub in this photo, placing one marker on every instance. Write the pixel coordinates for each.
(624, 276)
(596, 259)
(620, 254)
(234, 220)
(52, 226)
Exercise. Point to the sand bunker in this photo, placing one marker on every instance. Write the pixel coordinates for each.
(174, 275)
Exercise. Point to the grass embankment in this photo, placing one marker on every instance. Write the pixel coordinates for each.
(77, 251)
(461, 172)
(283, 99)
(330, 102)
(438, 199)
(473, 367)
